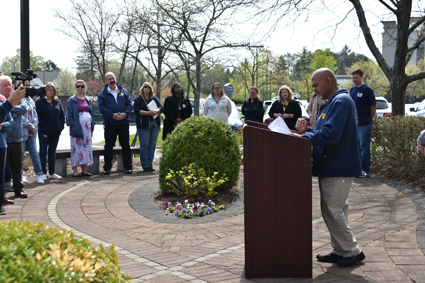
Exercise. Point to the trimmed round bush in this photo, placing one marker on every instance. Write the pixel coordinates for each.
(209, 143)
(38, 253)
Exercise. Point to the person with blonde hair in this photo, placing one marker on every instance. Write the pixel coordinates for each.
(218, 105)
(80, 120)
(286, 107)
(147, 108)
(51, 122)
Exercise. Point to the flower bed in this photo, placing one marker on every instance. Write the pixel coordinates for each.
(189, 210)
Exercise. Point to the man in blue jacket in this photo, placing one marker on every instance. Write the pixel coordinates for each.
(115, 105)
(335, 162)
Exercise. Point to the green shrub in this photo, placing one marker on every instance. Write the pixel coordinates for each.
(394, 142)
(209, 143)
(38, 253)
(192, 180)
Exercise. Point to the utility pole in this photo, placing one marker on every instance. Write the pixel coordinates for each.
(25, 35)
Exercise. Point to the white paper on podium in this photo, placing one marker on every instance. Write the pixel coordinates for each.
(279, 125)
(152, 106)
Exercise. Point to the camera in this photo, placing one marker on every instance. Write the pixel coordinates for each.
(26, 77)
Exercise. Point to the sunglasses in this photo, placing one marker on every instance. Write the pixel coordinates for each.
(80, 86)
(147, 86)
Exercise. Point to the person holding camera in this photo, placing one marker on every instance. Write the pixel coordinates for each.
(51, 119)
(14, 141)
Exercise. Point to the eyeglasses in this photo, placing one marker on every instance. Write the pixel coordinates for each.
(80, 86)
(217, 87)
(146, 86)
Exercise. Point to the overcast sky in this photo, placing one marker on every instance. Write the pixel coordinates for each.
(48, 42)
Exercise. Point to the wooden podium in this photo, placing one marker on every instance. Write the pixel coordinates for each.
(277, 208)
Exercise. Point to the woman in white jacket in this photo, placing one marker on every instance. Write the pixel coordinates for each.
(218, 105)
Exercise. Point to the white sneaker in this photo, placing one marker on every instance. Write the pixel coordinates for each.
(8, 187)
(40, 179)
(54, 176)
(45, 177)
(2, 211)
(24, 179)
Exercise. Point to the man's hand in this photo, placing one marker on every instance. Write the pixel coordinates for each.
(16, 96)
(1, 126)
(301, 125)
(33, 129)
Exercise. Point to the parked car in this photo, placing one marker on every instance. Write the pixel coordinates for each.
(234, 120)
(201, 106)
(419, 111)
(410, 109)
(384, 108)
(266, 105)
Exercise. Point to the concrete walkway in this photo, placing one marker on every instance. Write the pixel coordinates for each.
(388, 223)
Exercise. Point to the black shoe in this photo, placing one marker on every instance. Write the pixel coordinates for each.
(88, 174)
(129, 171)
(332, 258)
(148, 169)
(8, 201)
(352, 260)
(107, 172)
(21, 195)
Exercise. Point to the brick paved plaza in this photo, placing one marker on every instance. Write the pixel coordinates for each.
(387, 222)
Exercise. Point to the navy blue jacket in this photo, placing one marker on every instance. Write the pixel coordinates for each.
(51, 120)
(142, 122)
(108, 106)
(334, 140)
(4, 110)
(7, 126)
(73, 119)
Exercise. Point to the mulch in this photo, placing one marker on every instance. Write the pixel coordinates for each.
(415, 178)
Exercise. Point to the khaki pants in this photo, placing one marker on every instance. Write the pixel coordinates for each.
(333, 203)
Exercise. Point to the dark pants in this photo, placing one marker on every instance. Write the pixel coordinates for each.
(14, 158)
(123, 133)
(48, 145)
(2, 165)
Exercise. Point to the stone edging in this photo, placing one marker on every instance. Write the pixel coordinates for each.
(140, 201)
(418, 198)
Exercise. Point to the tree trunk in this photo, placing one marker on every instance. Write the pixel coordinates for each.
(398, 93)
(198, 85)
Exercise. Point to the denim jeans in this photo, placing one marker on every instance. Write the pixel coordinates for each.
(148, 138)
(31, 144)
(363, 139)
(48, 145)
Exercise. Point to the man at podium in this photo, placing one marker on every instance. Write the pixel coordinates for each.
(335, 162)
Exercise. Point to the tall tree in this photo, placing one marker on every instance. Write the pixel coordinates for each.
(406, 25)
(65, 83)
(93, 24)
(345, 58)
(196, 31)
